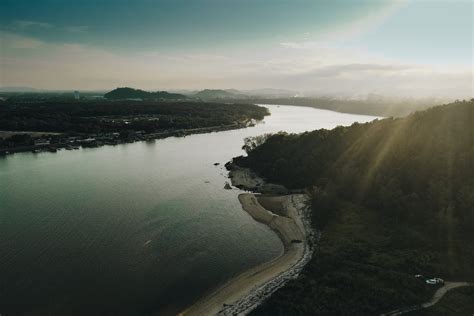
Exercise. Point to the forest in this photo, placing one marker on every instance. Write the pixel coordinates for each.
(102, 116)
(393, 198)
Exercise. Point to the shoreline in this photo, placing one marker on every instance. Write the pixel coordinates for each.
(243, 293)
(92, 141)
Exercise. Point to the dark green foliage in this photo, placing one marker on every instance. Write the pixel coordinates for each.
(393, 197)
(423, 161)
(16, 141)
(116, 116)
(356, 270)
(250, 143)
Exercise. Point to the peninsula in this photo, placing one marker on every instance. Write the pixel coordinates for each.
(285, 215)
(393, 201)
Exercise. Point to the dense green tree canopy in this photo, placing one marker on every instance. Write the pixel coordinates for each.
(393, 198)
(88, 116)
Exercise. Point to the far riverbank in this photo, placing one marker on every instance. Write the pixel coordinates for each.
(63, 141)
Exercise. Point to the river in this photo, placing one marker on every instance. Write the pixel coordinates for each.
(133, 229)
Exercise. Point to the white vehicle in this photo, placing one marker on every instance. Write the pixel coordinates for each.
(434, 281)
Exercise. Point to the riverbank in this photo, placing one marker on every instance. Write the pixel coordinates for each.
(64, 141)
(114, 120)
(286, 216)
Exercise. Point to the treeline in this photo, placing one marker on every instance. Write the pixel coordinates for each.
(107, 116)
(377, 107)
(393, 198)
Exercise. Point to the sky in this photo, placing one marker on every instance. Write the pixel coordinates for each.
(412, 48)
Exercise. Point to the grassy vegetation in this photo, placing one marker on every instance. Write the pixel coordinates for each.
(393, 198)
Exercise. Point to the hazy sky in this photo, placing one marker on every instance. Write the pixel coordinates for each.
(411, 48)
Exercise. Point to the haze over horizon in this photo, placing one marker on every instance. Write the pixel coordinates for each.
(394, 48)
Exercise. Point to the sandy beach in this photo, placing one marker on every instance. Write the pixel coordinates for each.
(247, 289)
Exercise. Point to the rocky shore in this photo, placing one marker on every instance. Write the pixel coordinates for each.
(245, 179)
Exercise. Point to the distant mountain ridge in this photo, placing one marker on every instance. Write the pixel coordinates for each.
(219, 94)
(18, 89)
(242, 94)
(130, 93)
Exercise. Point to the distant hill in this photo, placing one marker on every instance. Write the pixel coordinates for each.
(372, 106)
(18, 89)
(393, 198)
(209, 94)
(130, 93)
(235, 94)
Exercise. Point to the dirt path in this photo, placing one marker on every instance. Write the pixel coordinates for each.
(443, 290)
(435, 299)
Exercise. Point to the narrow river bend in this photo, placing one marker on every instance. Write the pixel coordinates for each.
(142, 228)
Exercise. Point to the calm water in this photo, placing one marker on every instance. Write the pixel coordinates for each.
(143, 228)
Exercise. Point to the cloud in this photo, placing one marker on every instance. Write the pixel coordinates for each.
(322, 69)
(22, 24)
(391, 80)
(12, 41)
(77, 28)
(296, 45)
(357, 69)
(348, 30)
(371, 20)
